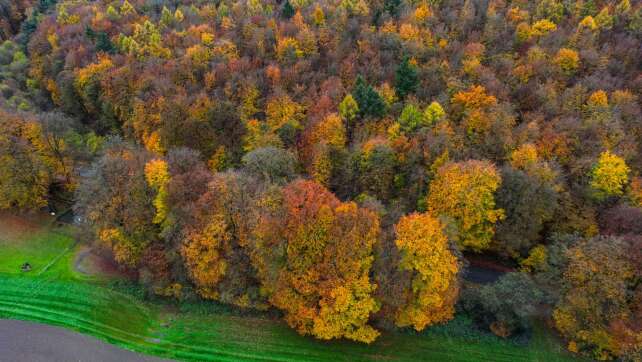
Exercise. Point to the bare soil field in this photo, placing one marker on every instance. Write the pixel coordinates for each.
(27, 341)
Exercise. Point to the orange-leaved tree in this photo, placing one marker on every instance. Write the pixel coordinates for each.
(473, 107)
(313, 254)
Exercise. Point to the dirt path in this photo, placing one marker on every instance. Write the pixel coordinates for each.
(78, 261)
(27, 341)
(15, 227)
(88, 262)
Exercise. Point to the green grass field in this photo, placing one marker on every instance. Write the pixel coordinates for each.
(49, 254)
(60, 296)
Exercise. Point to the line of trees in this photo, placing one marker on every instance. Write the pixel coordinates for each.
(261, 236)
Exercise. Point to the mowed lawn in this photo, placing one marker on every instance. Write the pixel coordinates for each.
(61, 296)
(47, 250)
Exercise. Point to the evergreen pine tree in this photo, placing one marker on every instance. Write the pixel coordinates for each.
(369, 101)
(359, 91)
(392, 7)
(406, 79)
(90, 33)
(103, 43)
(288, 10)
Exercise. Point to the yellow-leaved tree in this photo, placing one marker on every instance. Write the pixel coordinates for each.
(157, 176)
(204, 257)
(610, 175)
(25, 174)
(600, 301)
(426, 255)
(568, 60)
(464, 192)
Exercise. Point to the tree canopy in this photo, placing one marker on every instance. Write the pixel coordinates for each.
(341, 161)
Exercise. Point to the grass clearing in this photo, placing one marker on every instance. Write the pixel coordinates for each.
(61, 296)
(48, 252)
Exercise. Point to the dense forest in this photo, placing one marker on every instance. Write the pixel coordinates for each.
(340, 161)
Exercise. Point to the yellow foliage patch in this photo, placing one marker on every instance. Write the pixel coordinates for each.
(425, 252)
(464, 192)
(610, 175)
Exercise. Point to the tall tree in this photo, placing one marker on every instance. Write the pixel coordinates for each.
(376, 169)
(610, 175)
(406, 79)
(464, 192)
(369, 101)
(212, 240)
(116, 203)
(505, 306)
(287, 11)
(528, 202)
(313, 254)
(599, 309)
(24, 173)
(426, 255)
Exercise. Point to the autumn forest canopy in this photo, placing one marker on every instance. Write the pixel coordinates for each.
(343, 161)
